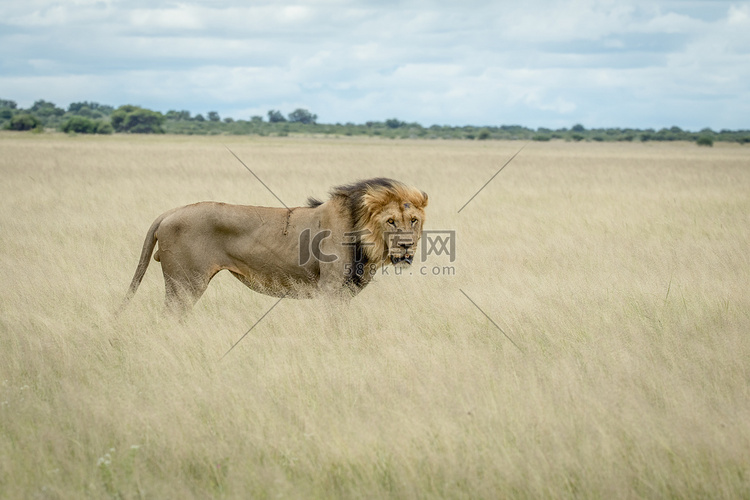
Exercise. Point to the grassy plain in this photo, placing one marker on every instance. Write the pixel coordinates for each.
(621, 272)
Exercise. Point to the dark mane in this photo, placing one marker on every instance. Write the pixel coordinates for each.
(353, 194)
(313, 202)
(361, 186)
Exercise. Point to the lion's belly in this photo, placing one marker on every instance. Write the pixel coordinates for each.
(277, 284)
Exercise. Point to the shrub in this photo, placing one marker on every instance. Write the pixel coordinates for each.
(137, 120)
(104, 128)
(79, 125)
(484, 135)
(24, 121)
(704, 140)
(541, 137)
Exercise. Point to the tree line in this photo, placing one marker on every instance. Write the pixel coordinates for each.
(95, 118)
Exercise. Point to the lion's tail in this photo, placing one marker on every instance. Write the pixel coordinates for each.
(148, 248)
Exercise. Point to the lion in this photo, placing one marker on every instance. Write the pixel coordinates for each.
(327, 248)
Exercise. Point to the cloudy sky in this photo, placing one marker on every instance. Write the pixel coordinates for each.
(538, 63)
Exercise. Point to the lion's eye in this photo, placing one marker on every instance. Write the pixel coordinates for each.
(391, 222)
(414, 220)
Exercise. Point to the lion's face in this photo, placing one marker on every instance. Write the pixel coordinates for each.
(401, 225)
(396, 222)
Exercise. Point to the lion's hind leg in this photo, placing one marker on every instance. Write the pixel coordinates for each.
(184, 285)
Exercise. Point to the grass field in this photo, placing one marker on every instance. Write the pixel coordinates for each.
(619, 271)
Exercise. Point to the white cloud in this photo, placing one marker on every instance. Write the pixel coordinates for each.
(670, 23)
(739, 15)
(170, 19)
(542, 62)
(567, 21)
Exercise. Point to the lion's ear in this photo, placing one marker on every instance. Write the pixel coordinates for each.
(425, 200)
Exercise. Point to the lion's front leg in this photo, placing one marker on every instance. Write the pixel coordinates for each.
(341, 281)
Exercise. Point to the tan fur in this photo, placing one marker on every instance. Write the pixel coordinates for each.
(371, 223)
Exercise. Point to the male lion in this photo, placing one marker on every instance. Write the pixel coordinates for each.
(331, 248)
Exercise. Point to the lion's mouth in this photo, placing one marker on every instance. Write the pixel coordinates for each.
(401, 261)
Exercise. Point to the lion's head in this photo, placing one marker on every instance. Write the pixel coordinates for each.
(388, 217)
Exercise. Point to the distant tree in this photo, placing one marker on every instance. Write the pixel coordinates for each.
(6, 103)
(199, 118)
(137, 120)
(394, 123)
(275, 116)
(177, 115)
(483, 135)
(44, 109)
(302, 116)
(669, 134)
(214, 116)
(705, 140)
(578, 128)
(84, 111)
(228, 120)
(24, 121)
(89, 108)
(256, 119)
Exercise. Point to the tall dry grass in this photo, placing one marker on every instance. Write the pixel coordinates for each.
(620, 271)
